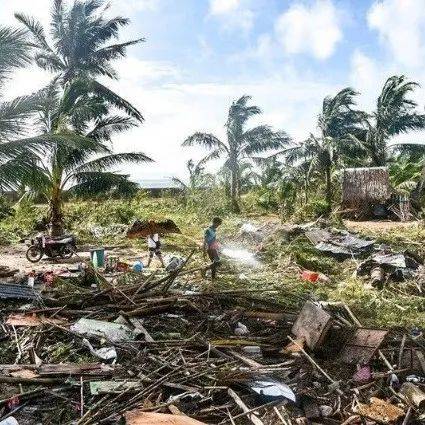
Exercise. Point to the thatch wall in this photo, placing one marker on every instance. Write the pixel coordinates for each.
(362, 187)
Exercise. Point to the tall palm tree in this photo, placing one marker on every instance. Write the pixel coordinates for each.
(241, 142)
(76, 105)
(395, 114)
(79, 163)
(82, 46)
(337, 121)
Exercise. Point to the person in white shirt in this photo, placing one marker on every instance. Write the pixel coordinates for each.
(154, 247)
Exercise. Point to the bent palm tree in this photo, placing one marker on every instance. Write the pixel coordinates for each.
(337, 122)
(241, 143)
(395, 114)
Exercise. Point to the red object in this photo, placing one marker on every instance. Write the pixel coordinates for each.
(310, 276)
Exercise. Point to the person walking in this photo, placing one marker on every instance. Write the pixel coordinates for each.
(211, 246)
(154, 245)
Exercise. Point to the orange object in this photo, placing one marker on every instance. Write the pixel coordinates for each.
(136, 417)
(310, 276)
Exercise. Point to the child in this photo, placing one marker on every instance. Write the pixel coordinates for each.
(154, 247)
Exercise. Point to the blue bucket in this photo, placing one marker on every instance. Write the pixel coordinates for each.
(97, 257)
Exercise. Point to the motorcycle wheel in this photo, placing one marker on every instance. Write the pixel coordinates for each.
(67, 251)
(34, 254)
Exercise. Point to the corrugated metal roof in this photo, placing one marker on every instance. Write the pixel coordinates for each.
(12, 291)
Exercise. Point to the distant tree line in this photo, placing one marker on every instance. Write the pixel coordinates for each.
(346, 137)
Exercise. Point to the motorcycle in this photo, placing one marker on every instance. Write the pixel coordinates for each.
(62, 246)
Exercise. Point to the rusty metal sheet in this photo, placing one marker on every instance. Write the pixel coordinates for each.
(362, 346)
(312, 325)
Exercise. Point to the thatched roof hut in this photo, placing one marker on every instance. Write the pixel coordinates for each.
(364, 187)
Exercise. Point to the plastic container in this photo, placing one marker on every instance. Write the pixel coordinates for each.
(97, 257)
(31, 279)
(138, 266)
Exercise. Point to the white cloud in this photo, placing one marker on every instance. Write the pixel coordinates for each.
(40, 10)
(313, 30)
(220, 7)
(366, 77)
(142, 72)
(175, 110)
(233, 14)
(130, 7)
(401, 28)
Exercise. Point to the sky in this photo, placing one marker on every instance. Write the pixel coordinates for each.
(200, 55)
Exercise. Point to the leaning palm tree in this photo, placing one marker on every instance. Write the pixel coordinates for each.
(241, 143)
(81, 162)
(82, 46)
(395, 114)
(337, 121)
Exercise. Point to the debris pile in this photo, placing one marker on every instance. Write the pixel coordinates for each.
(152, 348)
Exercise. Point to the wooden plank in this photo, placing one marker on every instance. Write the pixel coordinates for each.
(312, 324)
(251, 416)
(75, 369)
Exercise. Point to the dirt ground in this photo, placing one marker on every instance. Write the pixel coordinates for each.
(14, 257)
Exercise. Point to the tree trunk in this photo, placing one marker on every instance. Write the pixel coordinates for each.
(305, 191)
(56, 213)
(234, 184)
(329, 189)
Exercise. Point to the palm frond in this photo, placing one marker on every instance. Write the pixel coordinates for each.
(263, 138)
(14, 49)
(14, 115)
(98, 89)
(105, 162)
(206, 140)
(95, 183)
(36, 30)
(106, 127)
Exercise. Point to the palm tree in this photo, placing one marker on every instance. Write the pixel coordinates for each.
(395, 114)
(405, 175)
(80, 162)
(241, 143)
(77, 106)
(79, 48)
(337, 122)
